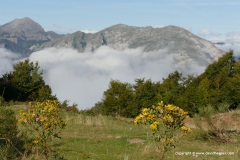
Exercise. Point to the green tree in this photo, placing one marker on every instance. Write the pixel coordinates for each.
(218, 75)
(232, 88)
(203, 93)
(146, 94)
(117, 99)
(171, 87)
(25, 82)
(187, 96)
(216, 85)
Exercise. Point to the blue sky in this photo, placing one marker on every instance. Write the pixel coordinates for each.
(215, 17)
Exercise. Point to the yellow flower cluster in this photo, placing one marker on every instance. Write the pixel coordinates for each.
(167, 141)
(43, 118)
(167, 118)
(154, 125)
(138, 119)
(44, 114)
(170, 116)
(171, 109)
(186, 130)
(145, 116)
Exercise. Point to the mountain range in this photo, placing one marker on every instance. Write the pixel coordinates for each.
(25, 36)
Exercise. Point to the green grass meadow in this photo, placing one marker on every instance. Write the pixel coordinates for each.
(107, 138)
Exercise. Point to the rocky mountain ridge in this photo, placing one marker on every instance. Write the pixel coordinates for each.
(26, 36)
(186, 47)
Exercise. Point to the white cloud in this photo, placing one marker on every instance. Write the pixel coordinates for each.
(7, 59)
(89, 31)
(83, 77)
(159, 26)
(233, 37)
(231, 42)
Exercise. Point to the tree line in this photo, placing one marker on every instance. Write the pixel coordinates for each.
(218, 87)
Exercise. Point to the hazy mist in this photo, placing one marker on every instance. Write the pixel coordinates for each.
(7, 59)
(83, 77)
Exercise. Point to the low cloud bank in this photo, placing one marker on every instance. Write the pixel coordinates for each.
(231, 40)
(83, 77)
(7, 59)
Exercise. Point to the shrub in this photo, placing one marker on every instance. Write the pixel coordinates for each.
(43, 122)
(10, 144)
(171, 119)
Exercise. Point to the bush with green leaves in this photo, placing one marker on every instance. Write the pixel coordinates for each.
(10, 145)
(165, 120)
(43, 122)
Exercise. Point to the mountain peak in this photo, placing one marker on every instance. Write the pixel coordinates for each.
(24, 25)
(20, 35)
(118, 27)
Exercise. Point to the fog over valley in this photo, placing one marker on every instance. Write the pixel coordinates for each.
(82, 78)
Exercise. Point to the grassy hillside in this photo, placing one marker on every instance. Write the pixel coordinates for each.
(107, 138)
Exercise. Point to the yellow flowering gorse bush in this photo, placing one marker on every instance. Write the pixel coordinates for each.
(43, 121)
(164, 121)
